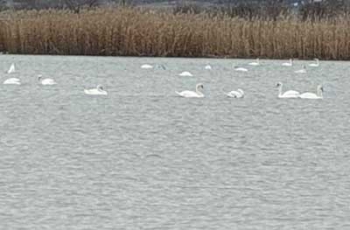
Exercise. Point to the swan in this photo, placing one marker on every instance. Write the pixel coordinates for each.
(46, 81)
(208, 67)
(236, 94)
(186, 74)
(287, 94)
(146, 66)
(256, 63)
(290, 63)
(188, 94)
(318, 95)
(97, 91)
(12, 81)
(12, 68)
(240, 69)
(317, 64)
(303, 70)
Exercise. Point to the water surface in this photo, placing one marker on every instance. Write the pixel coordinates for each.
(143, 158)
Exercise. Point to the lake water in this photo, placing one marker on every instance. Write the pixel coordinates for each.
(143, 158)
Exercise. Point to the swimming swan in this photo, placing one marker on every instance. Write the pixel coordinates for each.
(303, 70)
(186, 74)
(189, 94)
(290, 63)
(287, 94)
(12, 68)
(12, 81)
(236, 94)
(240, 69)
(317, 64)
(46, 81)
(98, 91)
(256, 63)
(318, 95)
(146, 66)
(208, 67)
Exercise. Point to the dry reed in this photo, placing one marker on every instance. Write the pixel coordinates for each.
(133, 32)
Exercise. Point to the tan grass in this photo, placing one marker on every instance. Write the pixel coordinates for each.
(134, 32)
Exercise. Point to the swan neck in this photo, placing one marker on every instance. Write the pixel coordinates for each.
(198, 91)
(280, 90)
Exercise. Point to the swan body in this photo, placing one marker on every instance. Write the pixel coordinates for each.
(317, 64)
(97, 91)
(236, 94)
(256, 63)
(46, 81)
(303, 70)
(288, 64)
(12, 68)
(287, 94)
(318, 95)
(192, 94)
(208, 67)
(12, 81)
(240, 69)
(186, 74)
(146, 66)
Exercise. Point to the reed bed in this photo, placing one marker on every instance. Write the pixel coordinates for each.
(135, 32)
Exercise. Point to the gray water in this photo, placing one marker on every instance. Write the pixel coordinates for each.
(143, 158)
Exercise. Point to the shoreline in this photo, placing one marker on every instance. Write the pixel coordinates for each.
(150, 57)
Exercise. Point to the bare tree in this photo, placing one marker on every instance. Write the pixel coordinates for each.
(76, 5)
(121, 2)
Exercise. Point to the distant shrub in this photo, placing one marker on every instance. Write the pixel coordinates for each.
(187, 8)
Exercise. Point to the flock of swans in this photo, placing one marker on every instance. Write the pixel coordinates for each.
(99, 90)
(240, 93)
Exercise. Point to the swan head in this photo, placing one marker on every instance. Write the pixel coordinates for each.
(199, 86)
(40, 77)
(279, 84)
(320, 88)
(99, 88)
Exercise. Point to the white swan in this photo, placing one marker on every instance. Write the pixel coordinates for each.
(146, 66)
(240, 69)
(208, 67)
(287, 94)
(97, 91)
(46, 81)
(12, 68)
(290, 63)
(186, 74)
(318, 95)
(256, 63)
(236, 94)
(188, 94)
(303, 70)
(317, 64)
(12, 81)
